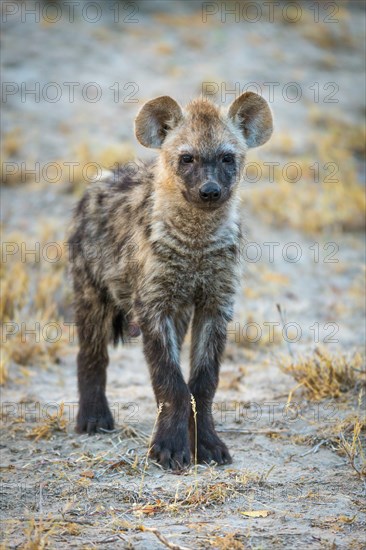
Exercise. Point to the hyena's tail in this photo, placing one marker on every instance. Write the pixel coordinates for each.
(119, 327)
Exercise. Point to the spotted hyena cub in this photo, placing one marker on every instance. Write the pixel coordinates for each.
(158, 248)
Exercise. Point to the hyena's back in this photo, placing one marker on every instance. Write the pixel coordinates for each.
(110, 208)
(103, 244)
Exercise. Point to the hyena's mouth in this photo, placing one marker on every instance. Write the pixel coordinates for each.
(210, 205)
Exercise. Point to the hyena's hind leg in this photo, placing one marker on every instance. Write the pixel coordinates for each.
(94, 320)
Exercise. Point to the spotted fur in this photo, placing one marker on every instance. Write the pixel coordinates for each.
(150, 250)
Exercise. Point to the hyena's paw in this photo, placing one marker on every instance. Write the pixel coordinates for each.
(171, 451)
(210, 448)
(93, 417)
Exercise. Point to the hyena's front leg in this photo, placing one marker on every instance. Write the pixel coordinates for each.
(170, 446)
(208, 343)
(93, 326)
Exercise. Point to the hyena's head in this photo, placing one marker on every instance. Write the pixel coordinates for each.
(203, 147)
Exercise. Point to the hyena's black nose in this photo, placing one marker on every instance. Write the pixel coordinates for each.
(210, 192)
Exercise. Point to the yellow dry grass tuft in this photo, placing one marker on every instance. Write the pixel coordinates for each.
(11, 143)
(229, 541)
(54, 423)
(350, 442)
(208, 495)
(37, 534)
(347, 437)
(33, 297)
(323, 374)
(192, 497)
(14, 283)
(26, 349)
(4, 374)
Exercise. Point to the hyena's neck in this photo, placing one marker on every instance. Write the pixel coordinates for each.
(175, 217)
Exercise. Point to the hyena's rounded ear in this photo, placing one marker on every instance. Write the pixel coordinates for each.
(155, 119)
(251, 113)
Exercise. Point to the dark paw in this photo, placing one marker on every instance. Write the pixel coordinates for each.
(172, 453)
(94, 417)
(211, 448)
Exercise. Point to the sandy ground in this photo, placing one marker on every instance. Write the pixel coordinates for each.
(288, 485)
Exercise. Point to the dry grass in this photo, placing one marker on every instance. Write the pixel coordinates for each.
(194, 412)
(350, 443)
(348, 437)
(37, 534)
(209, 495)
(11, 143)
(82, 173)
(53, 423)
(191, 498)
(14, 282)
(25, 351)
(340, 139)
(323, 374)
(106, 159)
(158, 413)
(199, 496)
(309, 208)
(229, 541)
(330, 37)
(337, 201)
(33, 294)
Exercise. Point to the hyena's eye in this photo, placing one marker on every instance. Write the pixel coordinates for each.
(228, 158)
(187, 159)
